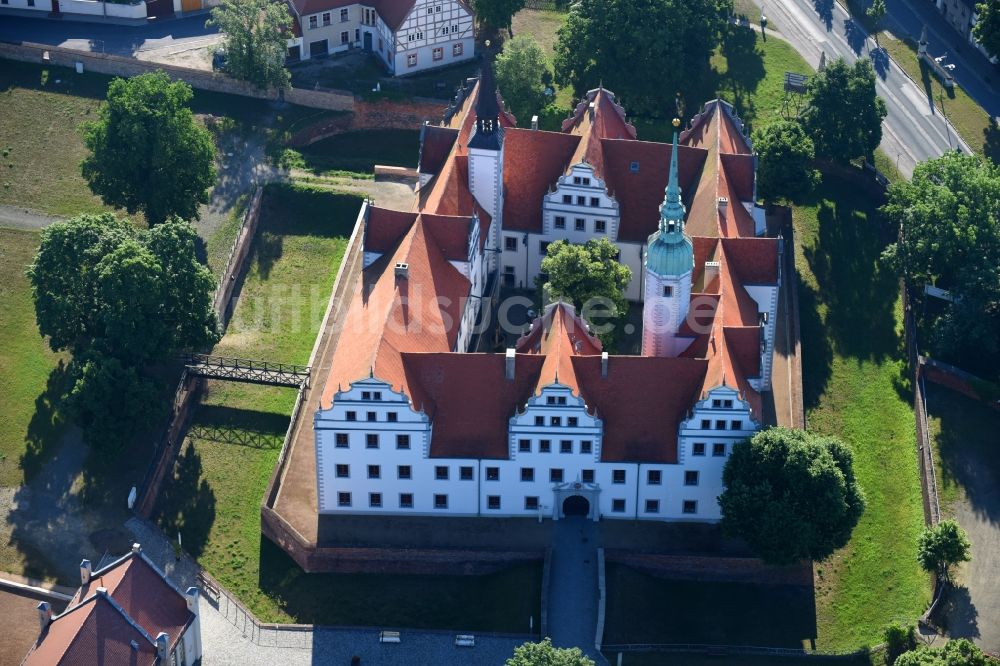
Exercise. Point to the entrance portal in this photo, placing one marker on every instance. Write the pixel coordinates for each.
(576, 505)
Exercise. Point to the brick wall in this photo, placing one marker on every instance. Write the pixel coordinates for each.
(383, 114)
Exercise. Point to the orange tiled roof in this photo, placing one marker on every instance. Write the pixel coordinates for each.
(559, 335)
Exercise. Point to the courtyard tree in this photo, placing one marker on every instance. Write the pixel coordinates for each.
(256, 34)
(147, 152)
(958, 652)
(784, 167)
(791, 495)
(943, 546)
(545, 654)
(844, 116)
(630, 44)
(950, 237)
(987, 28)
(520, 73)
(589, 276)
(497, 14)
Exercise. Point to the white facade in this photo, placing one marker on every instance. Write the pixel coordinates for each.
(665, 307)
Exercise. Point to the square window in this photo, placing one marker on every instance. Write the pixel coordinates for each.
(524, 446)
(690, 506)
(586, 181)
(527, 474)
(342, 440)
(567, 199)
(566, 446)
(577, 180)
(375, 500)
(580, 224)
(586, 446)
(531, 503)
(510, 243)
(555, 420)
(587, 476)
(405, 500)
(668, 291)
(698, 449)
(561, 400)
(402, 441)
(374, 472)
(618, 505)
(572, 421)
(344, 15)
(652, 506)
(718, 450)
(392, 417)
(456, 49)
(539, 420)
(493, 502)
(555, 475)
(716, 403)
(595, 202)
(720, 424)
(581, 201)
(654, 477)
(618, 476)
(441, 472)
(560, 222)
(465, 473)
(728, 404)
(438, 53)
(371, 416)
(371, 440)
(345, 37)
(351, 416)
(492, 473)
(343, 499)
(343, 471)
(735, 425)
(404, 472)
(377, 395)
(544, 446)
(411, 59)
(366, 395)
(600, 226)
(691, 478)
(440, 501)
(706, 424)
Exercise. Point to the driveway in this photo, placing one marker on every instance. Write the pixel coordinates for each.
(573, 593)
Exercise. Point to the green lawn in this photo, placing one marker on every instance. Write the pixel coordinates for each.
(360, 151)
(684, 659)
(29, 418)
(856, 387)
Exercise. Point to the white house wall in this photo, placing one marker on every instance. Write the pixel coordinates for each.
(430, 25)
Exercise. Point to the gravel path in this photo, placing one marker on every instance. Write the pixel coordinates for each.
(573, 590)
(24, 218)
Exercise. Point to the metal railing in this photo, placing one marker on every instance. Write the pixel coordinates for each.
(247, 370)
(723, 650)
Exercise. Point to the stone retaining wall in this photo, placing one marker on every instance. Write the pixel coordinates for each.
(718, 569)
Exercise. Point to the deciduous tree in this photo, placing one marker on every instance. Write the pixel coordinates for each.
(959, 652)
(987, 28)
(943, 546)
(545, 654)
(844, 116)
(147, 153)
(497, 14)
(876, 12)
(785, 157)
(520, 70)
(256, 38)
(791, 495)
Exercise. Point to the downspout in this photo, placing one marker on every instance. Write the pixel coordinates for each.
(638, 476)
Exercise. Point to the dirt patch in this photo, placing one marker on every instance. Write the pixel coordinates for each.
(194, 56)
(384, 114)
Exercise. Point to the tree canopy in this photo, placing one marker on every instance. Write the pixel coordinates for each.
(784, 167)
(959, 652)
(942, 546)
(987, 28)
(950, 236)
(544, 654)
(844, 116)
(876, 12)
(644, 50)
(589, 276)
(520, 70)
(791, 495)
(497, 14)
(147, 153)
(256, 38)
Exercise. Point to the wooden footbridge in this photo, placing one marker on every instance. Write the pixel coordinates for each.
(247, 371)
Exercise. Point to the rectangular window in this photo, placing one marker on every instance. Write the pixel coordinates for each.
(716, 403)
(581, 201)
(698, 449)
(572, 421)
(441, 472)
(543, 247)
(345, 37)
(577, 180)
(371, 416)
(555, 420)
(326, 18)
(618, 476)
(539, 420)
(527, 473)
(371, 440)
(531, 503)
(402, 441)
(351, 416)
(566, 446)
(600, 226)
(567, 199)
(550, 400)
(652, 506)
(735, 425)
(691, 478)
(634, 167)
(492, 473)
(728, 404)
(510, 243)
(555, 475)
(718, 450)
(544, 446)
(654, 477)
(720, 424)
(440, 501)
(374, 472)
(404, 472)
(357, 34)
(524, 446)
(618, 505)
(580, 224)
(493, 502)
(586, 446)
(343, 471)
(560, 222)
(343, 499)
(668, 291)
(375, 500)
(706, 424)
(438, 53)
(342, 440)
(405, 500)
(392, 417)
(344, 15)
(456, 49)
(595, 202)
(587, 476)
(465, 473)
(561, 400)
(690, 506)
(411, 60)
(313, 22)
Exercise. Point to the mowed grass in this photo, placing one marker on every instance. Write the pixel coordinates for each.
(856, 387)
(29, 417)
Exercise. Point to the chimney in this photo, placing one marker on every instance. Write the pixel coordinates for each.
(534, 122)
(44, 615)
(723, 205)
(509, 364)
(136, 549)
(604, 364)
(102, 590)
(85, 572)
(191, 596)
(402, 271)
(711, 272)
(162, 645)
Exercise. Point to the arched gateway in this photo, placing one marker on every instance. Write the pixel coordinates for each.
(576, 505)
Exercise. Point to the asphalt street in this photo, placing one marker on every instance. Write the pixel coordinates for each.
(913, 131)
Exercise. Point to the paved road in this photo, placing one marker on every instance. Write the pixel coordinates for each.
(100, 37)
(913, 131)
(573, 593)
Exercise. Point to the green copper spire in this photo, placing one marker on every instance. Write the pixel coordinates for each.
(672, 210)
(669, 252)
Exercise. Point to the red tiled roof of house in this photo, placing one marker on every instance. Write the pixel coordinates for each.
(533, 162)
(450, 233)
(559, 335)
(435, 146)
(754, 260)
(606, 120)
(393, 12)
(739, 170)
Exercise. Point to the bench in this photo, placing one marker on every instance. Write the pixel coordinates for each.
(465, 640)
(388, 637)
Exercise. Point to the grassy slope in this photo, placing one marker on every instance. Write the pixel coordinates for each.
(28, 421)
(361, 151)
(856, 388)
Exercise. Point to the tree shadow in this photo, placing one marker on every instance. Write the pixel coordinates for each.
(991, 141)
(187, 503)
(817, 352)
(855, 35)
(925, 80)
(824, 8)
(268, 248)
(47, 422)
(745, 68)
(958, 614)
(880, 62)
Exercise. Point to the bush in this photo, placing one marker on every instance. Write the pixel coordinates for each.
(899, 638)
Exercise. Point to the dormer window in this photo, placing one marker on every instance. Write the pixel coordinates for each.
(668, 291)
(670, 227)
(634, 167)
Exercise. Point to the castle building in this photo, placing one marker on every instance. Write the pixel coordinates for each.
(415, 423)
